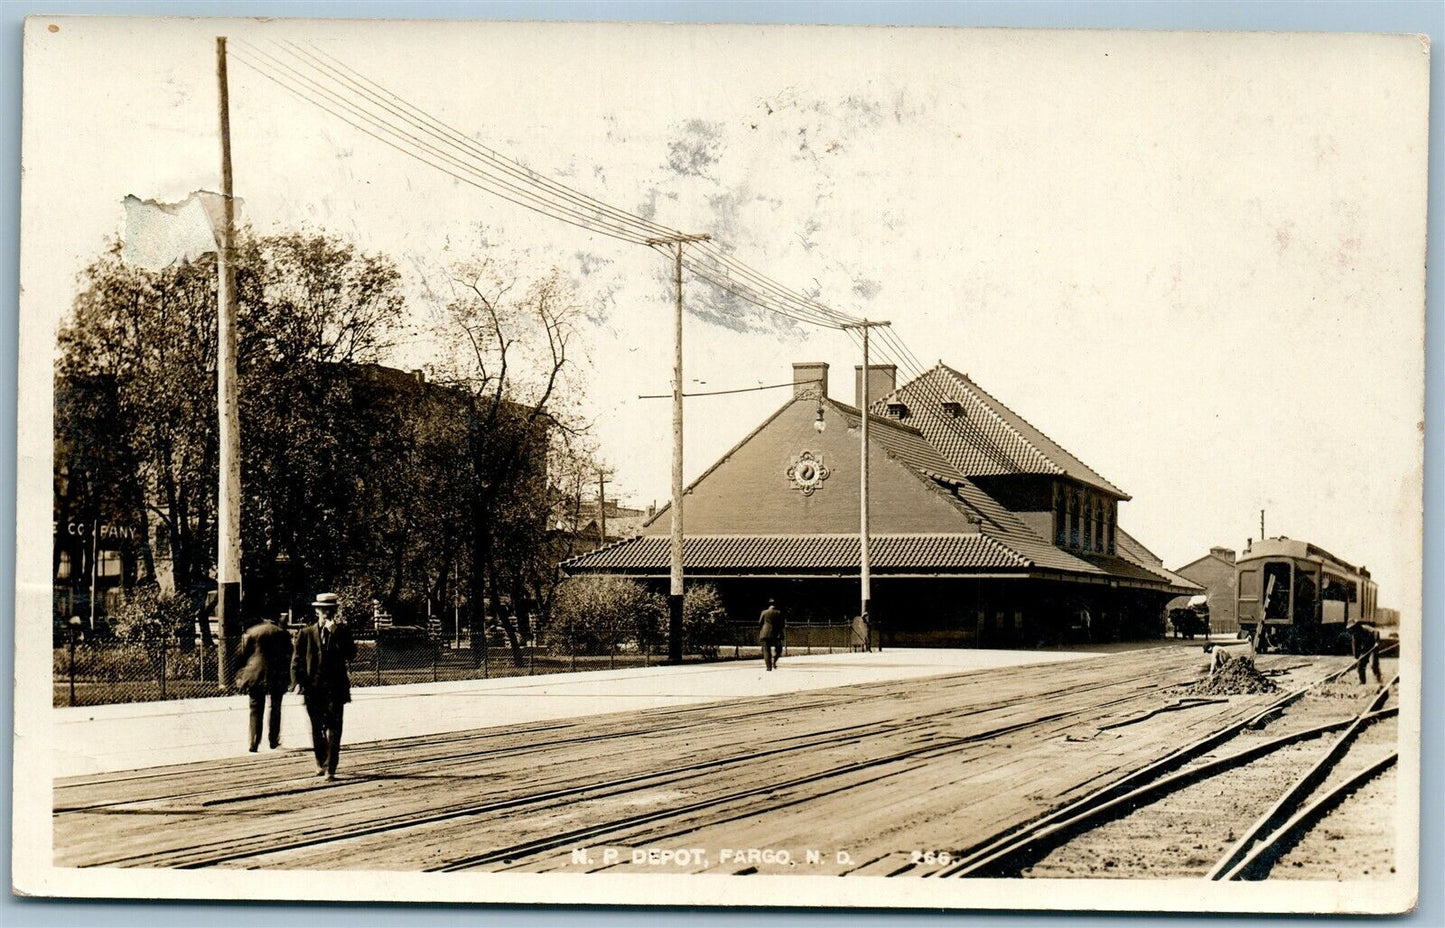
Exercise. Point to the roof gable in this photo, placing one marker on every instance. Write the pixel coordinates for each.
(749, 491)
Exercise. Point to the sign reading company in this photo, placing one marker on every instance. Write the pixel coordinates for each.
(107, 532)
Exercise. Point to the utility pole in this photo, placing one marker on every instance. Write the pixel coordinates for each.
(602, 507)
(228, 504)
(1261, 525)
(864, 566)
(675, 590)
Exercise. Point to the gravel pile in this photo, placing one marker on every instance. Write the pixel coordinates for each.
(1235, 676)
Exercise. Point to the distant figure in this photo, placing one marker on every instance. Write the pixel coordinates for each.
(862, 633)
(770, 634)
(319, 671)
(1365, 646)
(265, 657)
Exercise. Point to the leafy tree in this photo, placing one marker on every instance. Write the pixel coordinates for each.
(136, 402)
(152, 620)
(704, 621)
(597, 614)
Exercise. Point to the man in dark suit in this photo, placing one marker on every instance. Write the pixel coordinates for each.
(318, 670)
(770, 634)
(265, 658)
(1365, 646)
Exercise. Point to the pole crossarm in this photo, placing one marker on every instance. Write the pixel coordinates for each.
(680, 239)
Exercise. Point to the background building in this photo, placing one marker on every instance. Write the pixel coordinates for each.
(1215, 572)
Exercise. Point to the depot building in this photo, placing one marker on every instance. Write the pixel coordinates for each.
(983, 530)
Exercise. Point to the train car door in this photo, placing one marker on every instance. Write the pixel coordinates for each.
(1276, 592)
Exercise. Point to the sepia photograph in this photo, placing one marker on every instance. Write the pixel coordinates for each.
(589, 463)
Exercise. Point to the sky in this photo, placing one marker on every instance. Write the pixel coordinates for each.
(1194, 260)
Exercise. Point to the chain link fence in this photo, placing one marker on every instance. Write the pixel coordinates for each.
(99, 672)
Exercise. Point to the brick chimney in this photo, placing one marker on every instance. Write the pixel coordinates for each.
(1225, 553)
(882, 380)
(810, 378)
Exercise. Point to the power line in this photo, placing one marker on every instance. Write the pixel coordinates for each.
(469, 175)
(360, 97)
(717, 266)
(453, 136)
(771, 386)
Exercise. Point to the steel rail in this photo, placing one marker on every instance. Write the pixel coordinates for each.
(1289, 802)
(226, 852)
(1259, 861)
(551, 842)
(996, 843)
(1009, 858)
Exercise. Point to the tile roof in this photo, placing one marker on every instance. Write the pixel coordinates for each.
(936, 554)
(987, 437)
(776, 553)
(1131, 550)
(903, 441)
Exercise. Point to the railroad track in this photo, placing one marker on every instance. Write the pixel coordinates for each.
(1251, 855)
(906, 743)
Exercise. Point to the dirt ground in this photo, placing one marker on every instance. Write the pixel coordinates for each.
(1183, 834)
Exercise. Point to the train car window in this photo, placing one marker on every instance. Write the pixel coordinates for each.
(1334, 590)
(1248, 584)
(1276, 591)
(1353, 590)
(1304, 597)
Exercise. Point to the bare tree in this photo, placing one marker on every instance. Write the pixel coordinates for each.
(514, 367)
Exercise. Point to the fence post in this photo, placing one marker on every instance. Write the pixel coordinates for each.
(72, 666)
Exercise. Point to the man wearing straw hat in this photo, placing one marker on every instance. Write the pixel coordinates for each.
(318, 669)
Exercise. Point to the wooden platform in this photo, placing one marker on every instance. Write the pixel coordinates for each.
(867, 779)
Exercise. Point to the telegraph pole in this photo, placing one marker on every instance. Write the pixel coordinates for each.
(228, 503)
(1261, 525)
(602, 507)
(864, 566)
(675, 591)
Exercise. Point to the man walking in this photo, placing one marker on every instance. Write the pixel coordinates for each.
(770, 634)
(1365, 646)
(319, 671)
(265, 658)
